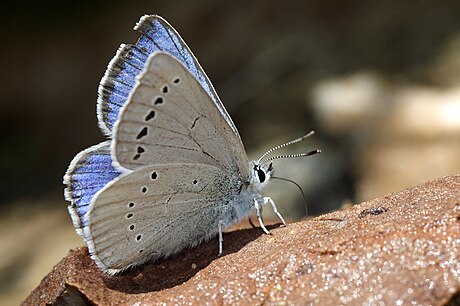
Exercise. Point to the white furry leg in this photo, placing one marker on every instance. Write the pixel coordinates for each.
(267, 200)
(258, 209)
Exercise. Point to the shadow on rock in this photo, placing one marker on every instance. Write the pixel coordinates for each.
(179, 268)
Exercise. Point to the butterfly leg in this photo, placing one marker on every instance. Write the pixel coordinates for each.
(258, 209)
(251, 223)
(221, 239)
(267, 200)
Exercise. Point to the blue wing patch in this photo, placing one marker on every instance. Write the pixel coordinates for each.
(129, 61)
(88, 173)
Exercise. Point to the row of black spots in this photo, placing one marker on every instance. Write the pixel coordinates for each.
(132, 226)
(130, 215)
(153, 176)
(165, 88)
(140, 150)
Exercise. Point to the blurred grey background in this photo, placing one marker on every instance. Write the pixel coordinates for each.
(379, 81)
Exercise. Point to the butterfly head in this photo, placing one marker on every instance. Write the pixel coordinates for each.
(259, 175)
(261, 170)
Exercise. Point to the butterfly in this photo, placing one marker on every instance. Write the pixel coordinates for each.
(174, 171)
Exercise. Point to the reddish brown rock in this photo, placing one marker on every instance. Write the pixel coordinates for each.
(401, 248)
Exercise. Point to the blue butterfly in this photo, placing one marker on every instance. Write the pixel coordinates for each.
(174, 171)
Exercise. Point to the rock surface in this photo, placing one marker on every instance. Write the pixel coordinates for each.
(399, 249)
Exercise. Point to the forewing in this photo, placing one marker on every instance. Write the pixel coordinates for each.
(88, 173)
(119, 79)
(169, 118)
(156, 211)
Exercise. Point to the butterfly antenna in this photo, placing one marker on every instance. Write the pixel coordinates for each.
(298, 186)
(286, 144)
(291, 156)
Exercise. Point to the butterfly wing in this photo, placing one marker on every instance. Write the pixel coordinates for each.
(88, 173)
(120, 77)
(156, 211)
(176, 157)
(170, 118)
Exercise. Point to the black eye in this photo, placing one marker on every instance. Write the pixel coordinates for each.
(261, 175)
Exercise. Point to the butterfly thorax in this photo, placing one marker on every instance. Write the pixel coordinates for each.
(242, 203)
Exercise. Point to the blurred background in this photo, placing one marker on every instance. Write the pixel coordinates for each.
(379, 82)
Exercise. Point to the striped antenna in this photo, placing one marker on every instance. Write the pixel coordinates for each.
(285, 145)
(292, 155)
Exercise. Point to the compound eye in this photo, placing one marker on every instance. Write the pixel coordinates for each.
(261, 175)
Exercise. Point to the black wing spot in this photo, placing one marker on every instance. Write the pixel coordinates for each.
(131, 227)
(176, 80)
(142, 133)
(129, 216)
(140, 251)
(158, 100)
(165, 89)
(150, 115)
(154, 175)
(140, 150)
(138, 237)
(195, 182)
(144, 189)
(131, 205)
